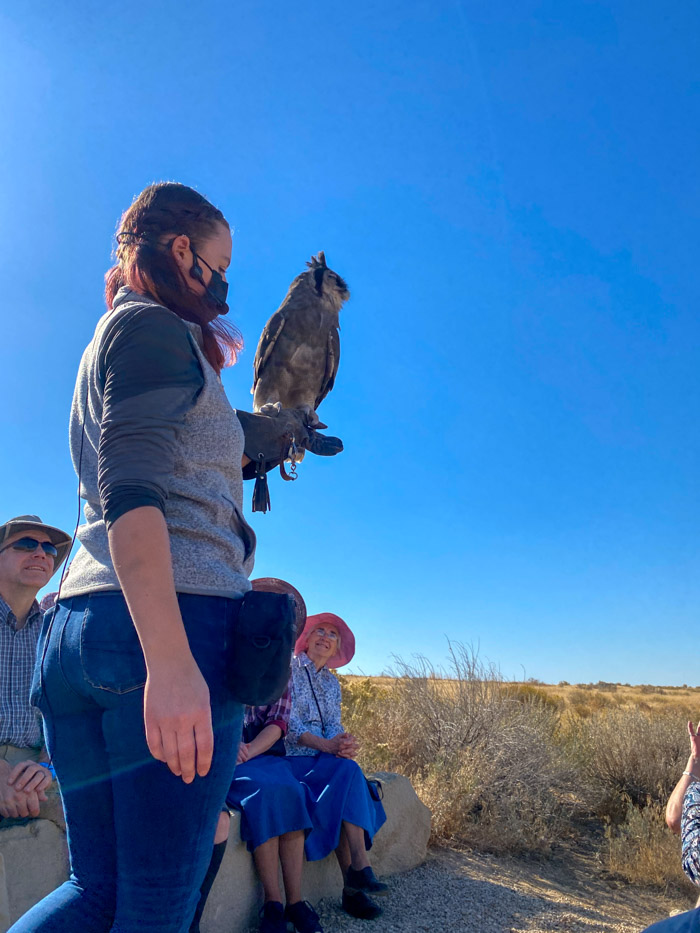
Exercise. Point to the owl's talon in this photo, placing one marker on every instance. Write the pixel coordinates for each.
(313, 421)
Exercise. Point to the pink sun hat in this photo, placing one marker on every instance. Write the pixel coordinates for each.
(347, 639)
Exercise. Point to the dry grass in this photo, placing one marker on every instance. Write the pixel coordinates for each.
(643, 851)
(482, 755)
(517, 767)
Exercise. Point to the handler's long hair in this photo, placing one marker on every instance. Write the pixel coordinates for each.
(145, 263)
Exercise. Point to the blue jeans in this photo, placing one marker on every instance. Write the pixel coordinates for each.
(140, 839)
(682, 923)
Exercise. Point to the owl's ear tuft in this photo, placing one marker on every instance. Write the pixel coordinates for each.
(318, 262)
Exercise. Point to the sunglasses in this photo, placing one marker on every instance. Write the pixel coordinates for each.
(331, 636)
(31, 544)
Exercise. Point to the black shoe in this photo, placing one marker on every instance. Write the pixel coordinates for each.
(365, 880)
(357, 904)
(303, 917)
(272, 918)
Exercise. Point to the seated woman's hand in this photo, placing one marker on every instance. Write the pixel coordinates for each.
(343, 745)
(243, 753)
(349, 747)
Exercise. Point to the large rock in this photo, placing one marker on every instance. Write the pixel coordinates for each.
(4, 902)
(36, 861)
(402, 842)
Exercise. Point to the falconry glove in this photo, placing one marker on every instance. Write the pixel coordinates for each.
(270, 439)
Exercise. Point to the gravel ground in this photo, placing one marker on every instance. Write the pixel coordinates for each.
(460, 891)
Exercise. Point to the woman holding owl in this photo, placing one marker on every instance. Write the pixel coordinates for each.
(132, 680)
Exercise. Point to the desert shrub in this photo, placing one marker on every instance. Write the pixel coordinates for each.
(628, 756)
(488, 764)
(363, 709)
(583, 703)
(509, 767)
(643, 850)
(527, 693)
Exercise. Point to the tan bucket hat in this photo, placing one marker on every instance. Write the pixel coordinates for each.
(30, 523)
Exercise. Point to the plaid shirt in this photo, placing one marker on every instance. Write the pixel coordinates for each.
(277, 714)
(19, 723)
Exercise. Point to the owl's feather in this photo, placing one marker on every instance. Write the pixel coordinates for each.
(266, 345)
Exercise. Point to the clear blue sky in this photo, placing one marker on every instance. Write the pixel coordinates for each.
(512, 192)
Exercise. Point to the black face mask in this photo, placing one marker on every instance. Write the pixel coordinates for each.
(217, 289)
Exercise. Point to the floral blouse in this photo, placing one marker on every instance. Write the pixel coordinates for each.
(315, 704)
(690, 832)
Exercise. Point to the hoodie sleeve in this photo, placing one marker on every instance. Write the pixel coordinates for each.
(152, 377)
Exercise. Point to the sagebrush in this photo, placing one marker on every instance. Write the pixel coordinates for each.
(517, 768)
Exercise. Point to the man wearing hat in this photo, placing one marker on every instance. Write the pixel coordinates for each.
(30, 553)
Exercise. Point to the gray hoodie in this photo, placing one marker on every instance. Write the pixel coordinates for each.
(156, 428)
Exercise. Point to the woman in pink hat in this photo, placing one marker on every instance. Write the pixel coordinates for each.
(345, 815)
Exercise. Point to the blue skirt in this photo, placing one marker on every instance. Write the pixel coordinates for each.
(336, 790)
(271, 801)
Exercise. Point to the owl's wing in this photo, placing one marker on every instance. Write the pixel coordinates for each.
(267, 341)
(332, 361)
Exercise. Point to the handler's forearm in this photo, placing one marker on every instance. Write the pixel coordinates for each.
(140, 548)
(313, 741)
(264, 740)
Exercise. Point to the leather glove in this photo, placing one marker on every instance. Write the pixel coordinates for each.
(271, 435)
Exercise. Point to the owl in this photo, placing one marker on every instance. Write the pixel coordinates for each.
(298, 354)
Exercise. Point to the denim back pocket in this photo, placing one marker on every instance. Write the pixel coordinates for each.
(110, 650)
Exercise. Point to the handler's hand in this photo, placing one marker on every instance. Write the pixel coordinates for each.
(29, 776)
(177, 713)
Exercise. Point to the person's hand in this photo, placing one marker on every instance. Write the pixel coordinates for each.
(268, 435)
(340, 745)
(349, 747)
(243, 753)
(694, 760)
(16, 804)
(29, 776)
(177, 713)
